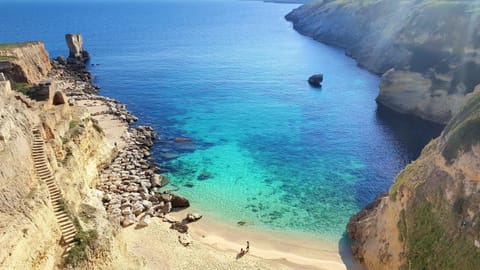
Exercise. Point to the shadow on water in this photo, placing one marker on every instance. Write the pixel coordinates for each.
(411, 132)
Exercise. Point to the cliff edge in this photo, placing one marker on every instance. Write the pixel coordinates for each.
(26, 62)
(426, 51)
(429, 219)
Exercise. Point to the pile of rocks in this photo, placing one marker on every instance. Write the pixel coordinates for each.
(74, 73)
(114, 106)
(129, 183)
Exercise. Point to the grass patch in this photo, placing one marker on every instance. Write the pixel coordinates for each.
(7, 57)
(21, 87)
(432, 237)
(83, 240)
(72, 124)
(463, 138)
(9, 46)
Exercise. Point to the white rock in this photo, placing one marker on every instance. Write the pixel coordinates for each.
(145, 221)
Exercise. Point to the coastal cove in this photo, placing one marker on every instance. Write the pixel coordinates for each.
(266, 149)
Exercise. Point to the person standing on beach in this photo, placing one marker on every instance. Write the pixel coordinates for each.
(248, 246)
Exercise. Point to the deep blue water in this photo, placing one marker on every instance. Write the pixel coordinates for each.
(231, 75)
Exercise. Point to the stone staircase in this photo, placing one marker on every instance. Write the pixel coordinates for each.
(44, 173)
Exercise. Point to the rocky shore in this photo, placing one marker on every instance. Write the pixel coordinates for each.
(129, 184)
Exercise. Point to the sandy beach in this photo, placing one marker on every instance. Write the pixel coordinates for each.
(217, 244)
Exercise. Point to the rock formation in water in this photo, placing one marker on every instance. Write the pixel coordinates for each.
(316, 80)
(427, 51)
(75, 46)
(430, 217)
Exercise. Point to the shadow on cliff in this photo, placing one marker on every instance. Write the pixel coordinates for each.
(346, 253)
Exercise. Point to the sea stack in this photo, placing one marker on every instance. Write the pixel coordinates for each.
(75, 45)
(316, 80)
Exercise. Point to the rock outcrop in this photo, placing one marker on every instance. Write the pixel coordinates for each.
(75, 46)
(426, 40)
(24, 62)
(5, 86)
(429, 219)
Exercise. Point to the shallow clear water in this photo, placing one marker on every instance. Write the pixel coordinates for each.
(231, 75)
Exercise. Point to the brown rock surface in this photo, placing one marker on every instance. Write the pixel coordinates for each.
(25, 62)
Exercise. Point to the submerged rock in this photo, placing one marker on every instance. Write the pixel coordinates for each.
(204, 176)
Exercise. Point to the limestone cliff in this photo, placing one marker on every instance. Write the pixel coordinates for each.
(430, 48)
(31, 234)
(24, 62)
(429, 219)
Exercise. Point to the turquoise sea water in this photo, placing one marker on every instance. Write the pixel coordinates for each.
(231, 75)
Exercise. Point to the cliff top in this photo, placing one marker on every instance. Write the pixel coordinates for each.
(10, 46)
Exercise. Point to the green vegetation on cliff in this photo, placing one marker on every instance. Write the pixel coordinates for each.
(440, 224)
(9, 46)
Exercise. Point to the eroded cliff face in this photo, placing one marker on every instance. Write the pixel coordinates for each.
(24, 62)
(30, 235)
(430, 218)
(429, 48)
(27, 228)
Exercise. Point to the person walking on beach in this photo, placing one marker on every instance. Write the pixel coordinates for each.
(248, 246)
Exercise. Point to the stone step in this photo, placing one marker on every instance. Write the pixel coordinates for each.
(62, 217)
(67, 226)
(70, 232)
(56, 201)
(41, 170)
(41, 166)
(66, 230)
(69, 239)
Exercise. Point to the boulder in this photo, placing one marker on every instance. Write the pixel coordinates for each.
(316, 80)
(165, 197)
(191, 217)
(167, 208)
(61, 60)
(179, 202)
(180, 227)
(185, 239)
(159, 180)
(128, 220)
(145, 221)
(169, 219)
(147, 204)
(138, 208)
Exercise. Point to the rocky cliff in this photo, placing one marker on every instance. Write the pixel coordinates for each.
(426, 51)
(24, 62)
(430, 218)
(31, 234)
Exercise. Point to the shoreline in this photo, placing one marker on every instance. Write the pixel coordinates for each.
(274, 249)
(210, 235)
